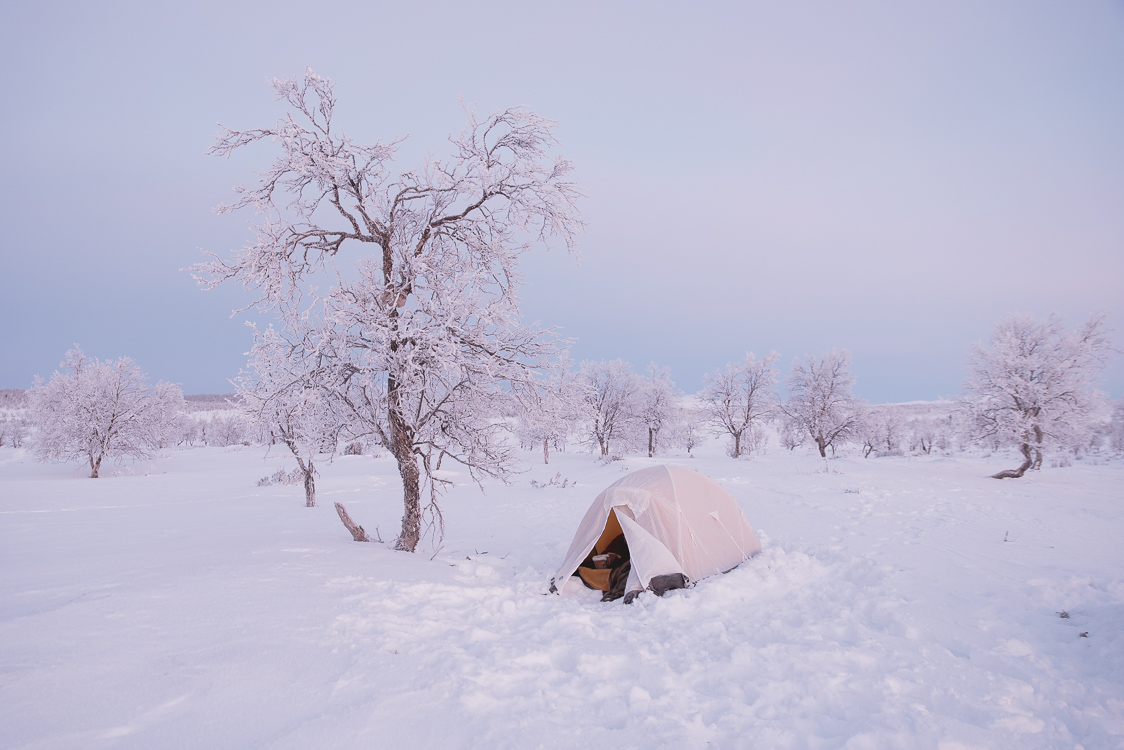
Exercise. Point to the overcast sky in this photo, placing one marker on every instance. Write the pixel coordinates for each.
(890, 178)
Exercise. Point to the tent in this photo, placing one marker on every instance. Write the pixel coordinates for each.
(668, 525)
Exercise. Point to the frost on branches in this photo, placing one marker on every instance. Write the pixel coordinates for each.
(421, 329)
(738, 399)
(92, 410)
(1033, 388)
(283, 392)
(820, 404)
(550, 413)
(611, 391)
(659, 405)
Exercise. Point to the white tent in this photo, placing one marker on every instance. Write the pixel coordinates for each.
(674, 520)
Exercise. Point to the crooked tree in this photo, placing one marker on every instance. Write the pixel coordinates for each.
(418, 318)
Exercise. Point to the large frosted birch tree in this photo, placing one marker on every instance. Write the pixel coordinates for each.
(422, 325)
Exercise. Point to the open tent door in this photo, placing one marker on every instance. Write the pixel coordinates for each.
(650, 558)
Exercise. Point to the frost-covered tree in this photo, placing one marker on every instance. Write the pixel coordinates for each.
(868, 429)
(92, 410)
(283, 393)
(741, 397)
(657, 404)
(820, 404)
(879, 429)
(548, 414)
(692, 427)
(423, 329)
(1115, 429)
(1033, 386)
(611, 392)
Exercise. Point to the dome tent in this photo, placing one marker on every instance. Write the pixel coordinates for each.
(679, 526)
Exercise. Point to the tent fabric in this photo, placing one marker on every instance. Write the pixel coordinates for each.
(674, 519)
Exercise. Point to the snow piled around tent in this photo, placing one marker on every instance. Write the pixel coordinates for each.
(177, 604)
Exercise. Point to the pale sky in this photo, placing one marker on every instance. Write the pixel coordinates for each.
(889, 178)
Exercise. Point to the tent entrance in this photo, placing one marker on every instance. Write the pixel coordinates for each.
(607, 566)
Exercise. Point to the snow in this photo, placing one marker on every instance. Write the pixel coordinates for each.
(173, 603)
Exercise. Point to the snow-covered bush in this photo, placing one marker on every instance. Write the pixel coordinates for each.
(294, 477)
(14, 431)
(92, 410)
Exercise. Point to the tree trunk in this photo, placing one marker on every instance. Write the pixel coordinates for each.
(357, 532)
(822, 445)
(307, 471)
(545, 450)
(1024, 448)
(94, 466)
(651, 442)
(402, 446)
(737, 444)
(309, 487)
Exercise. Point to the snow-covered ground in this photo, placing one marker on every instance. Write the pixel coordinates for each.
(898, 602)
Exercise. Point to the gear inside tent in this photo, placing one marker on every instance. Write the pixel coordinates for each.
(657, 529)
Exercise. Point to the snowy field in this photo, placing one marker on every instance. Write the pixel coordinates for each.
(898, 603)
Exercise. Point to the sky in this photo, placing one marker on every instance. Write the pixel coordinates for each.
(883, 177)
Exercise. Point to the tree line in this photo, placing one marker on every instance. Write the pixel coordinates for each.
(395, 299)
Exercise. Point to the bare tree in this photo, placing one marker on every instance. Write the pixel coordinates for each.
(819, 402)
(92, 410)
(657, 404)
(423, 331)
(1034, 386)
(611, 392)
(741, 397)
(284, 394)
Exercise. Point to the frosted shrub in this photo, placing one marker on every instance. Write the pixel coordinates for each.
(294, 477)
(224, 430)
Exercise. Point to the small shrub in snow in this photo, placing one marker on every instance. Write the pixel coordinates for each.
(555, 481)
(354, 448)
(281, 476)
